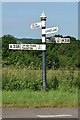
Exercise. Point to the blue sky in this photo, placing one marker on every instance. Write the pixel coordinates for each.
(18, 16)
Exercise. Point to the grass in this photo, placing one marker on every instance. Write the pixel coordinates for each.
(21, 78)
(0, 98)
(64, 96)
(28, 98)
(21, 73)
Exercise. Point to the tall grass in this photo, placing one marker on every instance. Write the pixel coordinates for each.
(22, 88)
(17, 78)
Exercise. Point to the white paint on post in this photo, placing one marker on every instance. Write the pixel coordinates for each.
(43, 23)
(43, 47)
(43, 32)
(43, 39)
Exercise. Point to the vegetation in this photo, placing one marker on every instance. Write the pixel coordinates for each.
(22, 74)
(57, 55)
(17, 78)
(27, 98)
(22, 69)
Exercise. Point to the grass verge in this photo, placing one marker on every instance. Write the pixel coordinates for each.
(36, 99)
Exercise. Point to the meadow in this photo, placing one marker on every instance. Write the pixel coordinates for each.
(19, 78)
(22, 75)
(22, 87)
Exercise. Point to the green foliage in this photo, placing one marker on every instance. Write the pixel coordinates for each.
(22, 78)
(6, 40)
(53, 83)
(38, 99)
(57, 55)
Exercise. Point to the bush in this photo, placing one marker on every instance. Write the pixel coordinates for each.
(53, 83)
(21, 78)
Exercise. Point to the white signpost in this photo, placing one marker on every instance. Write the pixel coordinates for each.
(42, 46)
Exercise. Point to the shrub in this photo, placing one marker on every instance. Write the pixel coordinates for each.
(53, 83)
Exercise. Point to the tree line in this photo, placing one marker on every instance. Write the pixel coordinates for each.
(57, 55)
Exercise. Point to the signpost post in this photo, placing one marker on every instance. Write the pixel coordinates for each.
(43, 21)
(42, 46)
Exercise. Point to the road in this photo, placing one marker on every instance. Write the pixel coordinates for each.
(40, 113)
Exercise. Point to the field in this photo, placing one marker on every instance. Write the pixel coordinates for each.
(22, 87)
(17, 78)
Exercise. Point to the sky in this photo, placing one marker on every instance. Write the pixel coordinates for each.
(40, 0)
(17, 18)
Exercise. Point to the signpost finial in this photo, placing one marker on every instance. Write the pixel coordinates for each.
(43, 15)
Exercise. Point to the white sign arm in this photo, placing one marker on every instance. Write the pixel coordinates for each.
(36, 25)
(51, 30)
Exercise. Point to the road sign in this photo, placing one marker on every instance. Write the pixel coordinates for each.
(57, 40)
(61, 40)
(27, 46)
(65, 40)
(36, 25)
(33, 47)
(15, 46)
(51, 30)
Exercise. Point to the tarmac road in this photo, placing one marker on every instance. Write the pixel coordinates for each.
(40, 113)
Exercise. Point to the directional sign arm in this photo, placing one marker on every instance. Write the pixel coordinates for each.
(27, 46)
(51, 30)
(58, 40)
(36, 25)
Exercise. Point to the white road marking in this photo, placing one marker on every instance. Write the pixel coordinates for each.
(53, 116)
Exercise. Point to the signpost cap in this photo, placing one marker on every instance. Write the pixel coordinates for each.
(43, 15)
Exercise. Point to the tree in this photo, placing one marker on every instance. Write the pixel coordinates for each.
(6, 40)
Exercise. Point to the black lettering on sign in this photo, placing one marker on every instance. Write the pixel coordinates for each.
(10, 46)
(51, 30)
(55, 29)
(33, 45)
(13, 46)
(17, 46)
